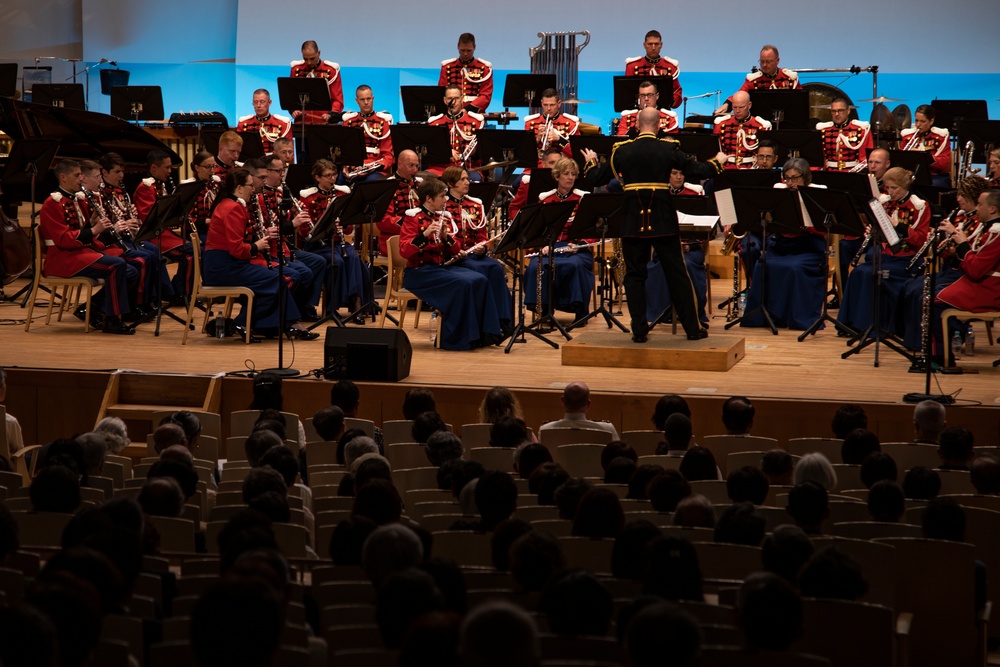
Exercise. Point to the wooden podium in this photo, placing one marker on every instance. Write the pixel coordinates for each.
(663, 351)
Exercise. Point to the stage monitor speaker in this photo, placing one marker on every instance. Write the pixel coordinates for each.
(374, 355)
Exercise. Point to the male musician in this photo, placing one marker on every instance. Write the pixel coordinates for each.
(549, 159)
(649, 96)
(552, 127)
(285, 149)
(311, 66)
(767, 155)
(923, 136)
(738, 132)
(845, 140)
(473, 75)
(653, 64)
(230, 147)
(641, 166)
(462, 126)
(271, 126)
(376, 126)
(768, 77)
(878, 164)
(70, 230)
(978, 290)
(403, 199)
(993, 168)
(349, 274)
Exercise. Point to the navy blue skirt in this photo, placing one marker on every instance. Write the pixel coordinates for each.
(658, 294)
(796, 282)
(856, 306)
(494, 272)
(574, 281)
(350, 276)
(465, 299)
(223, 269)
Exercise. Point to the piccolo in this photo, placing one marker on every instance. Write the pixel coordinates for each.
(474, 248)
(565, 249)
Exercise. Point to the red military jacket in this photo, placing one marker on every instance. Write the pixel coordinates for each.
(461, 128)
(662, 66)
(403, 199)
(146, 194)
(232, 231)
(270, 199)
(200, 213)
(688, 190)
(469, 216)
(553, 196)
(271, 128)
(738, 139)
(845, 145)
(668, 121)
(315, 202)
(328, 70)
(935, 140)
(377, 134)
(64, 225)
(979, 289)
(475, 78)
(420, 250)
(968, 222)
(912, 218)
(783, 79)
(566, 124)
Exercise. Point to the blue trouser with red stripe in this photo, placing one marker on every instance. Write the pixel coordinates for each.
(112, 299)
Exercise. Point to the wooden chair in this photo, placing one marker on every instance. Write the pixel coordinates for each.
(876, 561)
(476, 435)
(176, 535)
(364, 658)
(581, 460)
(397, 430)
(853, 634)
(241, 423)
(828, 447)
(955, 481)
(848, 476)
(413, 496)
(870, 530)
(493, 458)
(911, 454)
(354, 636)
(415, 478)
(230, 293)
(320, 452)
(53, 283)
(736, 460)
(643, 442)
(394, 290)
(724, 445)
(668, 462)
(554, 437)
(964, 317)
(975, 500)
(406, 455)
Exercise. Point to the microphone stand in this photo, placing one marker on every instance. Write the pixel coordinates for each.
(282, 317)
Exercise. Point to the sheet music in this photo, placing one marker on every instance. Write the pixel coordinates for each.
(704, 222)
(884, 222)
(873, 182)
(806, 220)
(726, 207)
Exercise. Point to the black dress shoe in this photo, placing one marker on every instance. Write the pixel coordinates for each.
(300, 334)
(242, 333)
(702, 333)
(639, 338)
(113, 325)
(309, 315)
(359, 319)
(80, 313)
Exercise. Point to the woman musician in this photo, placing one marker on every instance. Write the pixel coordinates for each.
(233, 256)
(923, 136)
(201, 211)
(350, 276)
(472, 234)
(464, 297)
(910, 216)
(993, 168)
(574, 276)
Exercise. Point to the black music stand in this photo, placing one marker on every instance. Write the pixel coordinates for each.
(746, 178)
(806, 144)
(28, 158)
(341, 145)
(599, 214)
(485, 192)
(703, 147)
(298, 177)
(525, 90)
(626, 90)
(598, 143)
(541, 181)
(862, 184)
(951, 113)
(253, 147)
(919, 162)
(431, 143)
(137, 103)
(701, 206)
(188, 195)
(304, 94)
(8, 79)
(507, 146)
(166, 212)
(535, 226)
(60, 95)
(756, 210)
(422, 102)
(323, 228)
(984, 133)
(788, 109)
(839, 212)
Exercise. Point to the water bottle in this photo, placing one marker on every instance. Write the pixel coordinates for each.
(970, 341)
(434, 330)
(741, 303)
(220, 324)
(956, 345)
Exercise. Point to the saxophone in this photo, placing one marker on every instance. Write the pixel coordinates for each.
(619, 261)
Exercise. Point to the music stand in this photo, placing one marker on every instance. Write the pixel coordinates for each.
(626, 90)
(341, 145)
(113, 77)
(950, 113)
(188, 193)
(137, 103)
(756, 210)
(985, 133)
(806, 144)
(298, 177)
(304, 94)
(525, 90)
(431, 143)
(702, 146)
(598, 214)
(323, 228)
(919, 162)
(422, 102)
(28, 158)
(486, 192)
(746, 178)
(839, 212)
(862, 184)
(535, 226)
(598, 143)
(788, 109)
(8, 79)
(59, 95)
(541, 181)
(166, 212)
(507, 145)
(32, 76)
(253, 147)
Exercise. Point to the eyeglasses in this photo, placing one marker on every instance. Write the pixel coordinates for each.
(206, 166)
(328, 174)
(647, 96)
(793, 177)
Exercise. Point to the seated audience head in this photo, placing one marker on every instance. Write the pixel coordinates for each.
(390, 548)
(617, 449)
(180, 470)
(747, 484)
(71, 605)
(161, 496)
(599, 514)
(677, 431)
(267, 392)
(368, 467)
(921, 483)
(809, 506)
(619, 471)
(118, 432)
(639, 483)
(464, 474)
(257, 444)
(237, 623)
(576, 397)
(379, 501)
(545, 480)
(568, 495)
(271, 420)
(627, 559)
(348, 539)
(168, 435)
(668, 405)
(188, 421)
(817, 468)
(740, 523)
(95, 448)
(956, 448)
(832, 574)
(785, 551)
(328, 422)
(346, 395)
(858, 444)
(699, 465)
(985, 475)
(943, 519)
(284, 461)
(346, 437)
(416, 401)
(509, 431)
(27, 637)
(443, 446)
(263, 480)
(403, 597)
(530, 456)
(694, 511)
(886, 502)
(55, 489)
(777, 465)
(769, 612)
(847, 418)
(876, 467)
(177, 453)
(498, 634)
(663, 634)
(929, 419)
(496, 498)
(499, 402)
(667, 489)
(358, 447)
(737, 415)
(576, 604)
(425, 424)
(671, 570)
(503, 539)
(534, 558)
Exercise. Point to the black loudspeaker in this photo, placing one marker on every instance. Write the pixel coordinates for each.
(375, 355)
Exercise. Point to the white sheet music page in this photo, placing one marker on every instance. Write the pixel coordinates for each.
(884, 222)
(727, 209)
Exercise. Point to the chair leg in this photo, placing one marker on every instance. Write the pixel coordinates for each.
(31, 302)
(52, 302)
(385, 311)
(946, 342)
(437, 334)
(86, 320)
(989, 332)
(192, 304)
(249, 308)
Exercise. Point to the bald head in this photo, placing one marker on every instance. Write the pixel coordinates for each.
(407, 164)
(741, 104)
(167, 435)
(648, 120)
(929, 420)
(576, 397)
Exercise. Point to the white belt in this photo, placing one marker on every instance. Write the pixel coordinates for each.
(49, 242)
(743, 160)
(995, 274)
(370, 149)
(469, 98)
(834, 164)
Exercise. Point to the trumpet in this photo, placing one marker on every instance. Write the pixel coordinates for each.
(859, 167)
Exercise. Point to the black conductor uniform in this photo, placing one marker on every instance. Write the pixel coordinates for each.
(643, 166)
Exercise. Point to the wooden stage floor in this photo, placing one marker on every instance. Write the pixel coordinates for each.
(774, 366)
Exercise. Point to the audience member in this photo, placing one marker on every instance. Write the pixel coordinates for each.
(809, 506)
(929, 419)
(15, 441)
(27, 637)
(499, 402)
(663, 634)
(858, 444)
(545, 480)
(677, 433)
(345, 395)
(667, 405)
(115, 428)
(390, 548)
(769, 612)
(499, 634)
(568, 496)
(576, 402)
(188, 421)
(464, 474)
(785, 551)
(627, 555)
(161, 496)
(416, 401)
(699, 464)
(619, 471)
(832, 574)
(944, 519)
(956, 448)
(576, 604)
(379, 501)
(71, 605)
(534, 558)
(530, 456)
(777, 465)
(168, 435)
(817, 468)
(886, 502)
(599, 514)
(509, 432)
(55, 489)
(443, 446)
(328, 422)
(617, 449)
(921, 483)
(667, 489)
(358, 447)
(985, 475)
(262, 480)
(740, 523)
(671, 570)
(257, 444)
(694, 512)
(425, 424)
(737, 415)
(639, 483)
(496, 499)
(503, 538)
(876, 467)
(847, 418)
(348, 539)
(402, 597)
(95, 448)
(747, 484)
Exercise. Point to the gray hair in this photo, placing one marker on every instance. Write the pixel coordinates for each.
(817, 468)
(358, 446)
(114, 427)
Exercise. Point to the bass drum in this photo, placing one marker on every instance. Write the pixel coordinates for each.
(821, 95)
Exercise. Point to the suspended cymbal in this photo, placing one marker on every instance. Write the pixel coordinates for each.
(576, 101)
(694, 118)
(494, 165)
(829, 106)
(881, 100)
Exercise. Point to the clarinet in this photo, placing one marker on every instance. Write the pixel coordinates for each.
(259, 229)
(97, 204)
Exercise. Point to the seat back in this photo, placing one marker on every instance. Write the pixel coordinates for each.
(912, 454)
(848, 634)
(643, 442)
(876, 561)
(722, 446)
(828, 447)
(553, 437)
(476, 435)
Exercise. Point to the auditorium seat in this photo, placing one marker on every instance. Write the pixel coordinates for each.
(727, 561)
(492, 458)
(722, 446)
(553, 437)
(668, 462)
(870, 530)
(719, 656)
(406, 455)
(853, 634)
(580, 460)
(828, 447)
(910, 455)
(643, 442)
(476, 435)
(464, 547)
(593, 555)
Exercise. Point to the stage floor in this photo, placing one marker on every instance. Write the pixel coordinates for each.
(774, 366)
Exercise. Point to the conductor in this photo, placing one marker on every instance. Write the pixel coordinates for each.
(643, 166)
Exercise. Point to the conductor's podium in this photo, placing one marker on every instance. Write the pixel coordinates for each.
(663, 350)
